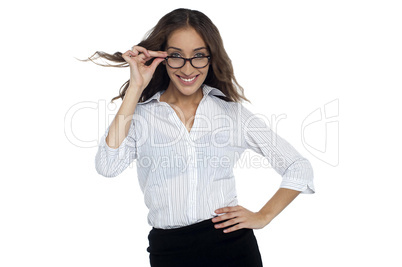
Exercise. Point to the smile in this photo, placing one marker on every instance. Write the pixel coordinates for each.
(188, 81)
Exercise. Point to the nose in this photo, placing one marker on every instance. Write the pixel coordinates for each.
(187, 69)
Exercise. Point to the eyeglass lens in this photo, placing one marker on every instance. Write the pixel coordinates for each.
(196, 62)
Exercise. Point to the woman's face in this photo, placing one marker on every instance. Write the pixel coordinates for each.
(186, 43)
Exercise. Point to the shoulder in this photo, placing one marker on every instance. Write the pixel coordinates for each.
(218, 97)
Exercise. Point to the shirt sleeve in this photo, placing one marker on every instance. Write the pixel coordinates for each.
(110, 162)
(296, 171)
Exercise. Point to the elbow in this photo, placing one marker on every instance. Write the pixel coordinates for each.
(104, 169)
(299, 176)
(110, 163)
(105, 172)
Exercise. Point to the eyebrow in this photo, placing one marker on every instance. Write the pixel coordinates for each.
(172, 47)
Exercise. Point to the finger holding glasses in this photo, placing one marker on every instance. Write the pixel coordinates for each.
(141, 74)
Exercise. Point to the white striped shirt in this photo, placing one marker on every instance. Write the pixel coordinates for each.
(185, 176)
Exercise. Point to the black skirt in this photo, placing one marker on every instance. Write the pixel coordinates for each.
(201, 244)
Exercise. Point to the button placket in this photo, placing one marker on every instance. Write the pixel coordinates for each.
(192, 175)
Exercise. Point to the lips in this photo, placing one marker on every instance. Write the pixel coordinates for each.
(188, 80)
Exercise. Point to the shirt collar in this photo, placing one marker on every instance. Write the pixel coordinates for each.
(205, 89)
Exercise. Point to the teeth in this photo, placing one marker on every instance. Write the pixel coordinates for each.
(188, 80)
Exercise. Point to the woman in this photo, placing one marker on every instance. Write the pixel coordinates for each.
(182, 121)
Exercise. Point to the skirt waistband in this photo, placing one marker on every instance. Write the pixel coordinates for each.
(188, 228)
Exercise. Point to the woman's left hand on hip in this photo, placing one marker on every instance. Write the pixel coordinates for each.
(242, 217)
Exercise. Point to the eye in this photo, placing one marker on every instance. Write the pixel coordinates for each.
(199, 55)
(175, 55)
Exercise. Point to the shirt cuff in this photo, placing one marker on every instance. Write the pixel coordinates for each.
(304, 188)
(299, 176)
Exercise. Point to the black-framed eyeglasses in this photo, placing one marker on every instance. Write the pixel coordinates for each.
(178, 62)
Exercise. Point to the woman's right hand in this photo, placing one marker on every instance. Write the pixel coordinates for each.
(140, 74)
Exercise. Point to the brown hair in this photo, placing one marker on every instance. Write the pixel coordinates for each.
(220, 74)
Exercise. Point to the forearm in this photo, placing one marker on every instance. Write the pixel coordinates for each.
(278, 202)
(120, 126)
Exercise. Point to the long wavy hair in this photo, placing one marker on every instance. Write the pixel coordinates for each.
(220, 74)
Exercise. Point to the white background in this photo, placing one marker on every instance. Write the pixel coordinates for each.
(291, 57)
